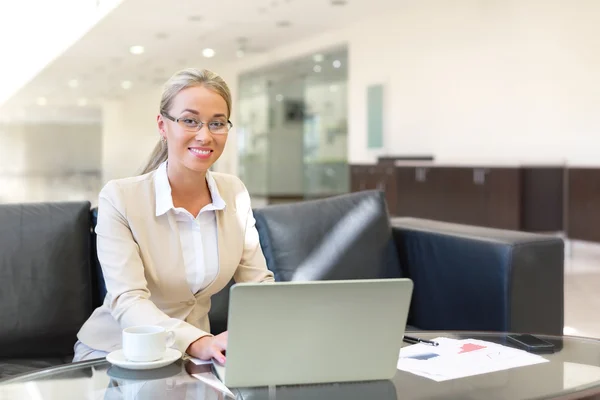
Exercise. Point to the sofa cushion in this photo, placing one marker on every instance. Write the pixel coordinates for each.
(45, 283)
(341, 237)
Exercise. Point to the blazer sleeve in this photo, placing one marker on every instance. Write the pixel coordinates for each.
(123, 269)
(252, 266)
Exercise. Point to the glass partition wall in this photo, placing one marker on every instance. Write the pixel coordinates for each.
(292, 128)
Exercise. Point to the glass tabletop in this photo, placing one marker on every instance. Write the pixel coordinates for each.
(573, 371)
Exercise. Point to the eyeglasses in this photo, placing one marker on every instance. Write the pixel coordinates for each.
(217, 127)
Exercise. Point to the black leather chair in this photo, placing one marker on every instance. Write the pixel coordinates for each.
(45, 283)
(465, 277)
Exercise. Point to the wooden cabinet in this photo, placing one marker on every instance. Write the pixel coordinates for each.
(506, 198)
(583, 204)
(376, 177)
(473, 196)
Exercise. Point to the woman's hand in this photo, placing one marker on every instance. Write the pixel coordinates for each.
(208, 347)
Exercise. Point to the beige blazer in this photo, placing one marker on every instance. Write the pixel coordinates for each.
(142, 262)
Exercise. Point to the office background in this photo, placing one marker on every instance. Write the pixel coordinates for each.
(471, 83)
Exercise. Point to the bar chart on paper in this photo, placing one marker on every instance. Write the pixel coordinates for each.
(454, 359)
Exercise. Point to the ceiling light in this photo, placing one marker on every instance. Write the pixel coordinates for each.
(279, 97)
(337, 63)
(126, 85)
(317, 68)
(136, 50)
(41, 101)
(239, 53)
(208, 53)
(73, 83)
(318, 58)
(82, 102)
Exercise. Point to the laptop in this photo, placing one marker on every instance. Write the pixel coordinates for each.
(293, 333)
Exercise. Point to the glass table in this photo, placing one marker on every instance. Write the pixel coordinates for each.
(572, 373)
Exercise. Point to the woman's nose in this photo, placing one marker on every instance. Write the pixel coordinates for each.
(204, 135)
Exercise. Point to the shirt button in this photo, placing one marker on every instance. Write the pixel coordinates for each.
(191, 302)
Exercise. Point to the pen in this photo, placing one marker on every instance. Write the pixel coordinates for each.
(414, 340)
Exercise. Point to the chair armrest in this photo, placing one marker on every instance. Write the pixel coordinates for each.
(473, 278)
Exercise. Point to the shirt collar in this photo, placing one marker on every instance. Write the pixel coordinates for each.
(164, 199)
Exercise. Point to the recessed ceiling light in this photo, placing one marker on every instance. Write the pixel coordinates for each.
(208, 53)
(337, 63)
(318, 58)
(41, 101)
(279, 97)
(317, 68)
(82, 102)
(240, 53)
(136, 50)
(73, 83)
(126, 85)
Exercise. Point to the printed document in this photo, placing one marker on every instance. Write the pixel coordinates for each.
(454, 358)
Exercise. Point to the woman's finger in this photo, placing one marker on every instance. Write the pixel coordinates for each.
(218, 355)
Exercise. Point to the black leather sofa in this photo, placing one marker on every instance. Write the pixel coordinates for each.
(465, 278)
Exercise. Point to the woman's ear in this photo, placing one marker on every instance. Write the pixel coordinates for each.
(161, 126)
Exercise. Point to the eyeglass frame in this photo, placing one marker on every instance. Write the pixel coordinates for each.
(200, 125)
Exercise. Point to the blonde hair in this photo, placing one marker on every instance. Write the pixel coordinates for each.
(181, 80)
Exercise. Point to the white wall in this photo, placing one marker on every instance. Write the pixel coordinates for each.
(49, 162)
(509, 80)
(470, 80)
(129, 134)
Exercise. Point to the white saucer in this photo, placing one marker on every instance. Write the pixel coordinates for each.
(118, 358)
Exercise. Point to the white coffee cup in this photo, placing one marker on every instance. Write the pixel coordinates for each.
(146, 343)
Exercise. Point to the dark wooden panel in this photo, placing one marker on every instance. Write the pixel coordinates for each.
(543, 194)
(416, 193)
(583, 204)
(388, 184)
(503, 198)
(461, 199)
(376, 177)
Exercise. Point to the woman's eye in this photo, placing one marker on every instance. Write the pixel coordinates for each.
(189, 121)
(217, 124)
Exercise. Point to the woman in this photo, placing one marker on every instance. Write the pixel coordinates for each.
(171, 238)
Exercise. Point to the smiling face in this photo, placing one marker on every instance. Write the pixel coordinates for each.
(189, 148)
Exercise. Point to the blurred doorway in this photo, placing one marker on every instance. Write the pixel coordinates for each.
(292, 128)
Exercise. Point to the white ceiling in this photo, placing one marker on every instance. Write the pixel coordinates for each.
(173, 32)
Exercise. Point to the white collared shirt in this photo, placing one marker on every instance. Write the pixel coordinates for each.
(198, 234)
